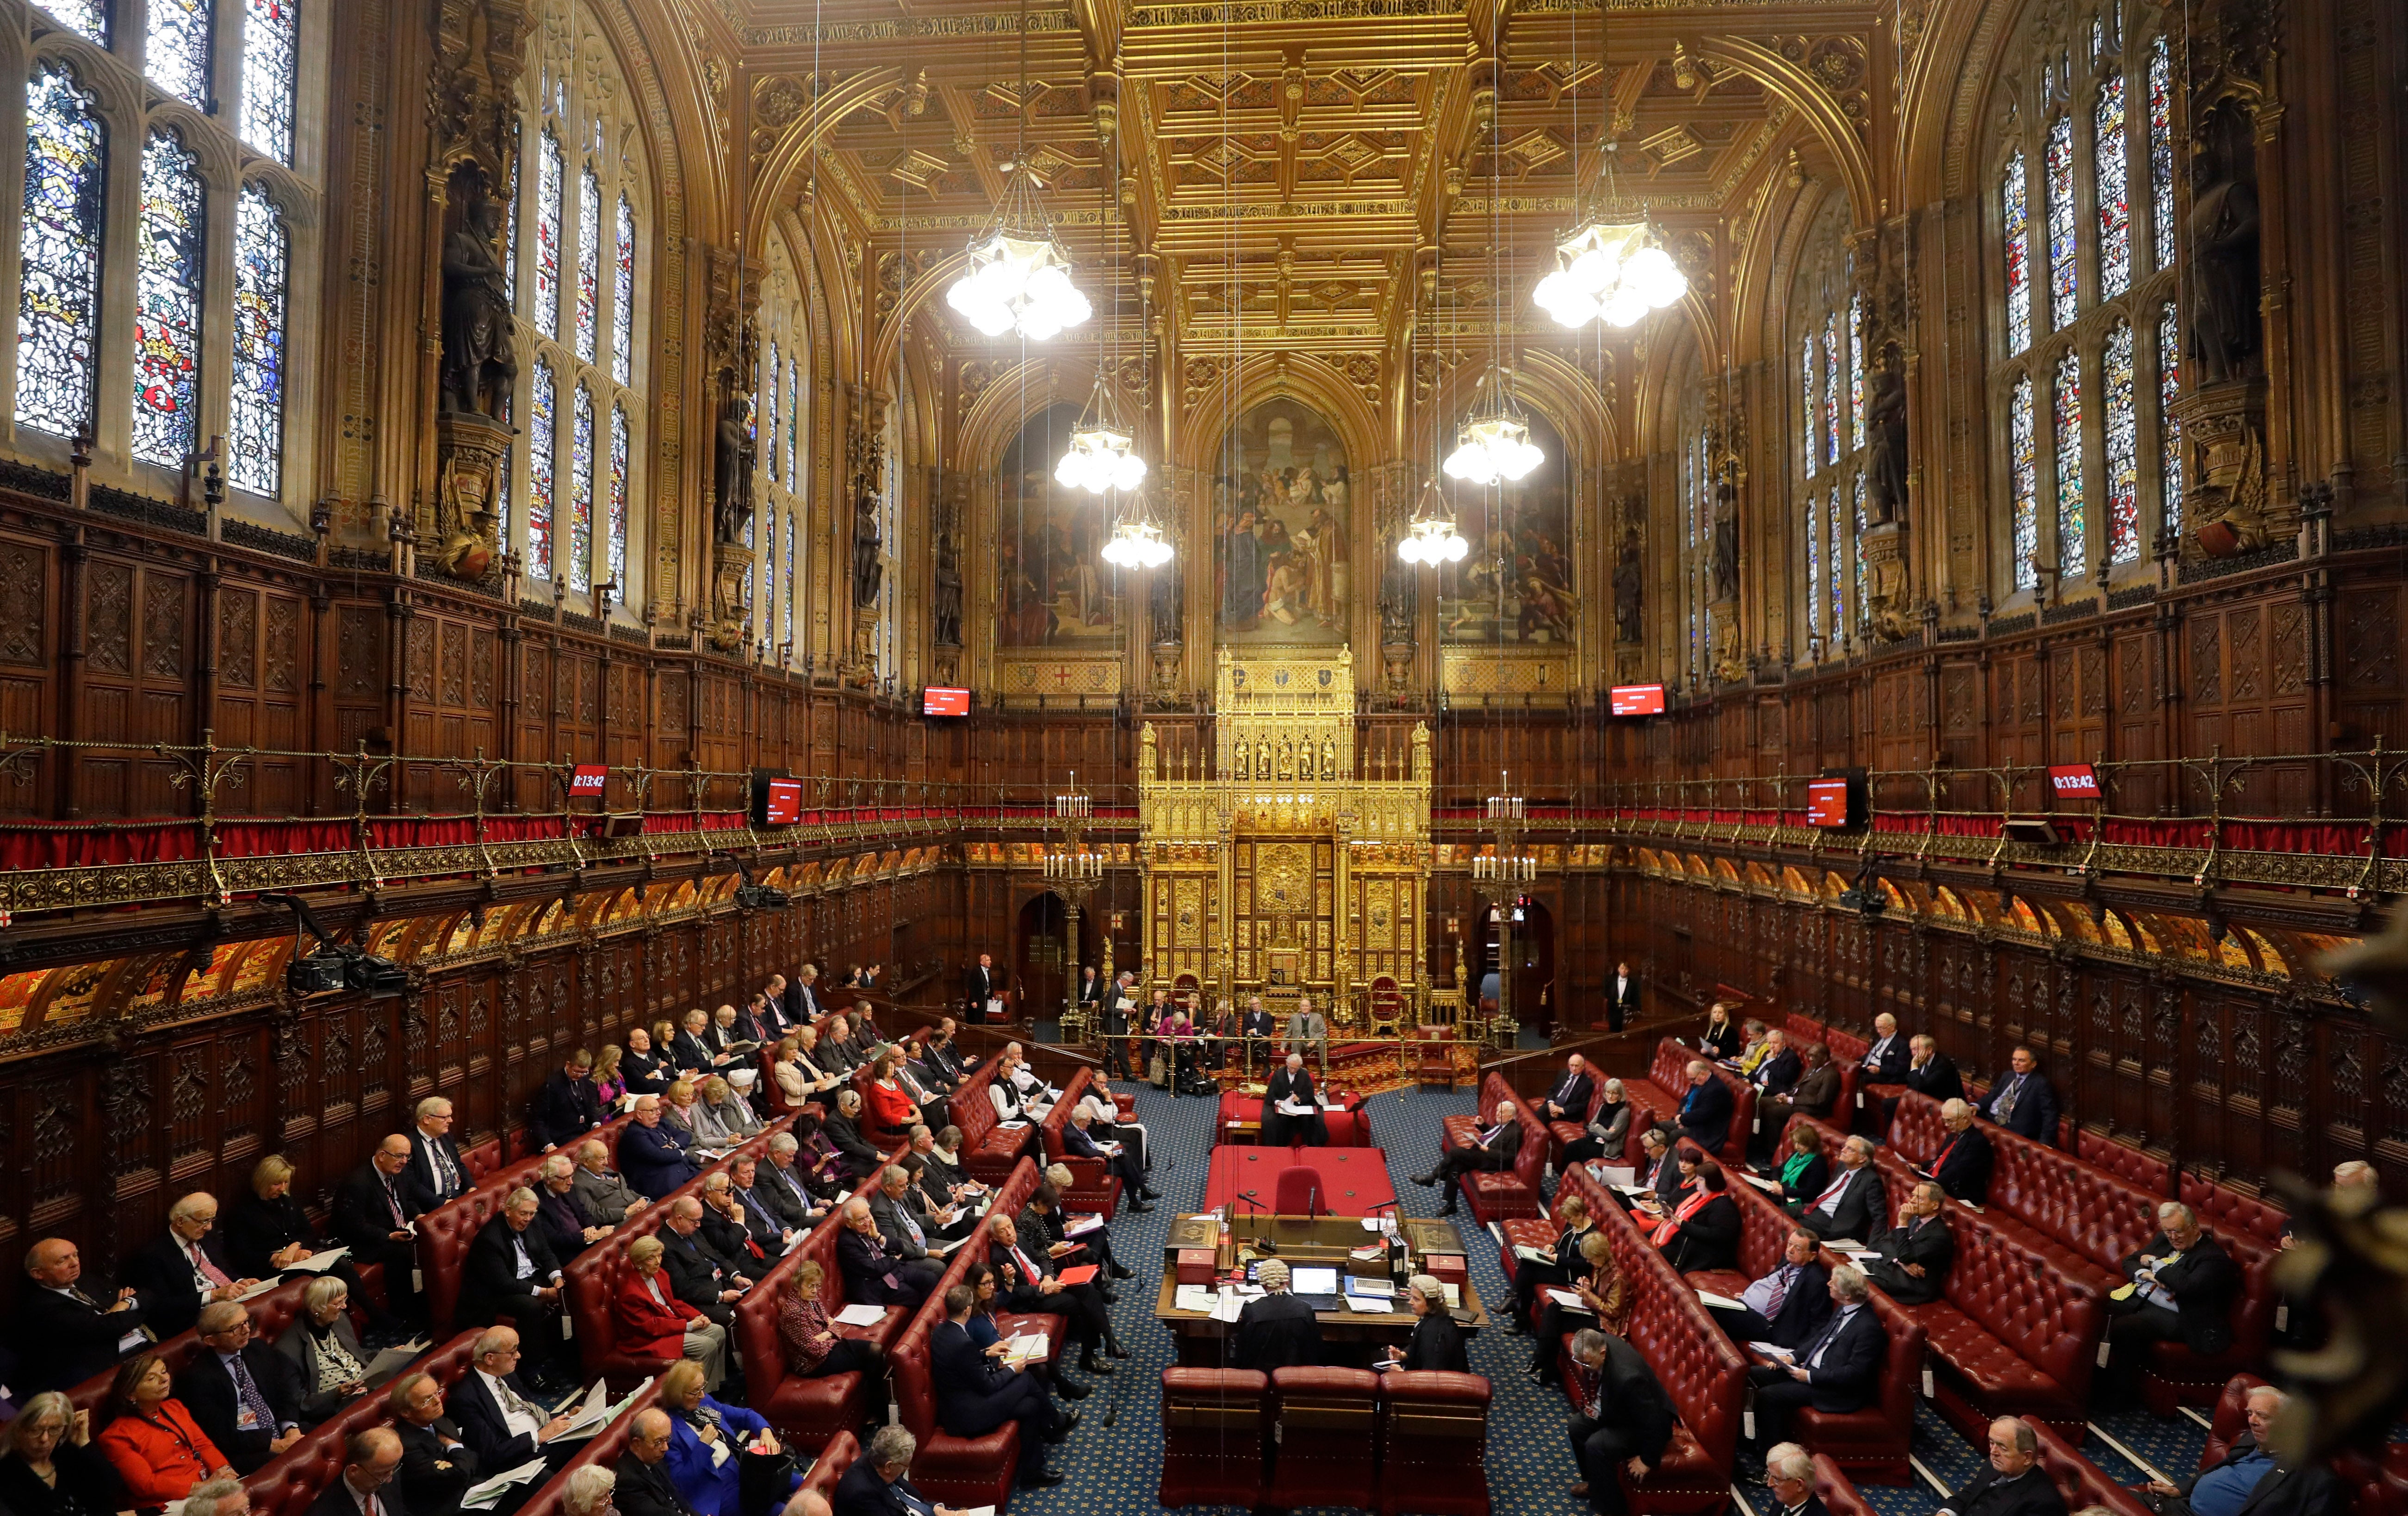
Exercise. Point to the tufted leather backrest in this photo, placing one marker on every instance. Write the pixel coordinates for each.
(270, 1314)
(2048, 1319)
(1901, 1377)
(2230, 1213)
(1834, 1489)
(1050, 1129)
(1764, 1229)
(970, 1109)
(287, 1483)
(2082, 1482)
(1434, 1425)
(1848, 1049)
(908, 1357)
(1531, 1161)
(605, 1448)
(445, 1233)
(1915, 1128)
(1699, 1370)
(1670, 1072)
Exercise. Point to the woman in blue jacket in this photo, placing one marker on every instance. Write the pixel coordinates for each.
(708, 1442)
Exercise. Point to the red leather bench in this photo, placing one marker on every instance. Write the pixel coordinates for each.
(1215, 1435)
(988, 1149)
(1328, 1452)
(605, 1448)
(2082, 1482)
(1498, 1195)
(2376, 1486)
(270, 1314)
(1538, 1232)
(1433, 1443)
(445, 1233)
(2012, 1334)
(2224, 1210)
(1668, 1081)
(1839, 1497)
(810, 1413)
(1096, 1188)
(287, 1483)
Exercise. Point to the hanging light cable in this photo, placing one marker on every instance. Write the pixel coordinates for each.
(1019, 277)
(1617, 271)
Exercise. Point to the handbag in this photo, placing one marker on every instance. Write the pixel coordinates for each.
(1155, 1073)
(763, 1480)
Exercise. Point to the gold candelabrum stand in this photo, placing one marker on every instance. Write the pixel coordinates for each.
(1503, 875)
(1072, 871)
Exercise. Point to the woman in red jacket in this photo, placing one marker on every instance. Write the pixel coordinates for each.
(892, 1110)
(151, 1440)
(649, 1321)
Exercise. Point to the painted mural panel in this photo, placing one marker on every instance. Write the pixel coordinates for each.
(1056, 589)
(1515, 585)
(1281, 514)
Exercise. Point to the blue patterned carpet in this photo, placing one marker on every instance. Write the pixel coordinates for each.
(1117, 1468)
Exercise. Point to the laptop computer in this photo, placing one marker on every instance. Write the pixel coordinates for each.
(1315, 1287)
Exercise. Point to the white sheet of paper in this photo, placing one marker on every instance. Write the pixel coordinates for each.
(1769, 1186)
(1532, 1255)
(1371, 1224)
(132, 1340)
(1724, 1301)
(1568, 1299)
(1194, 1297)
(1454, 1293)
(861, 1315)
(318, 1263)
(1227, 1306)
(394, 1359)
(1080, 1226)
(258, 1290)
(1771, 1351)
(482, 1496)
(1362, 1306)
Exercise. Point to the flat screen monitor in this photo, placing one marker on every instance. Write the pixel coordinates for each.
(1826, 801)
(1638, 700)
(934, 702)
(1312, 1280)
(2073, 782)
(588, 778)
(777, 798)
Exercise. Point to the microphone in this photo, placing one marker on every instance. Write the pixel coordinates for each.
(1261, 1243)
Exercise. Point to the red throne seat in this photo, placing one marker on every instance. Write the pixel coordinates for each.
(1214, 1433)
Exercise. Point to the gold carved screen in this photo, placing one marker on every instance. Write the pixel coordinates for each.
(1285, 870)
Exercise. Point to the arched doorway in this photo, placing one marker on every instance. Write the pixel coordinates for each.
(1042, 971)
(1533, 960)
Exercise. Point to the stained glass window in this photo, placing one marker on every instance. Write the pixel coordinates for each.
(623, 299)
(271, 56)
(2023, 483)
(794, 424)
(775, 371)
(2122, 446)
(1859, 581)
(167, 261)
(589, 261)
(1814, 568)
(581, 492)
(2072, 548)
(88, 18)
(2016, 219)
(1806, 424)
(178, 54)
(2063, 279)
(2170, 430)
(549, 172)
(1839, 578)
(1831, 387)
(542, 451)
(790, 578)
(263, 255)
(618, 525)
(1856, 369)
(769, 570)
(2161, 149)
(510, 216)
(502, 479)
(58, 308)
(2114, 205)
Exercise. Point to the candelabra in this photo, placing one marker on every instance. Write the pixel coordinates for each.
(1503, 878)
(1072, 871)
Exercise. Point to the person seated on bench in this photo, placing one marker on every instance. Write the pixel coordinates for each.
(2012, 1483)
(1276, 1330)
(1803, 1170)
(1622, 1420)
(1292, 1085)
(1962, 1165)
(1912, 1268)
(370, 1458)
(873, 1275)
(1706, 1107)
(1837, 1371)
(1703, 1232)
(1816, 1090)
(1563, 1261)
(1607, 1132)
(1852, 1205)
(1080, 1142)
(2183, 1288)
(1787, 1306)
(2252, 1477)
(1493, 1153)
(812, 1346)
(1437, 1341)
(1569, 1100)
(1604, 1293)
(976, 1391)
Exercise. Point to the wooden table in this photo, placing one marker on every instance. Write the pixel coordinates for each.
(1322, 1241)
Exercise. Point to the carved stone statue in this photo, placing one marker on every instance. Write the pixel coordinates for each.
(1629, 577)
(477, 362)
(949, 591)
(1885, 423)
(2226, 329)
(1399, 589)
(1725, 557)
(1167, 600)
(732, 470)
(867, 572)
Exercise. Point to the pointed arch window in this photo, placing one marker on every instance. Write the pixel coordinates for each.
(2064, 282)
(2170, 478)
(2161, 150)
(793, 424)
(623, 297)
(176, 55)
(58, 307)
(1831, 388)
(2072, 546)
(2110, 156)
(589, 261)
(1839, 578)
(168, 303)
(581, 492)
(542, 450)
(618, 510)
(87, 19)
(2014, 213)
(2022, 473)
(2122, 449)
(263, 256)
(1806, 425)
(790, 580)
(1856, 369)
(1857, 585)
(1813, 566)
(773, 372)
(550, 170)
(271, 62)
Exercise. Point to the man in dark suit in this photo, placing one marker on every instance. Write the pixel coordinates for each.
(1838, 1370)
(803, 996)
(1885, 1059)
(370, 1458)
(1778, 1071)
(373, 1210)
(649, 1155)
(438, 1467)
(1622, 1420)
(1912, 1268)
(701, 1273)
(976, 1394)
(1275, 1330)
(2251, 1479)
(1706, 1107)
(903, 1230)
(70, 1328)
(2183, 1288)
(1571, 1095)
(184, 1268)
(2023, 1101)
(1962, 1165)
(498, 1416)
(510, 1270)
(1659, 1169)
(644, 1486)
(1790, 1474)
(773, 1202)
(878, 1483)
(1292, 1083)
(1032, 1285)
(1852, 1205)
(1928, 1072)
(1621, 998)
(567, 1107)
(2012, 1483)
(1787, 1306)
(872, 1275)
(979, 986)
(1078, 1142)
(1092, 989)
(437, 1171)
(1493, 1151)
(1816, 1092)
(244, 1395)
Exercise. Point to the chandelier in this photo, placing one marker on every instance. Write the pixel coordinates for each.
(1617, 270)
(1494, 443)
(1138, 540)
(1019, 277)
(1431, 537)
(1099, 457)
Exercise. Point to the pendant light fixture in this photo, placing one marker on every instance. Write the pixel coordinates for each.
(1101, 455)
(1138, 540)
(1616, 271)
(1431, 537)
(1492, 445)
(1018, 278)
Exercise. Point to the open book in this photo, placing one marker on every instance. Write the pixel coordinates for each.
(484, 1496)
(385, 1364)
(318, 1263)
(587, 1414)
(861, 1315)
(1529, 1254)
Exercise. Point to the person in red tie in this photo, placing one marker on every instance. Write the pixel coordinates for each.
(185, 1267)
(1962, 1165)
(369, 1460)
